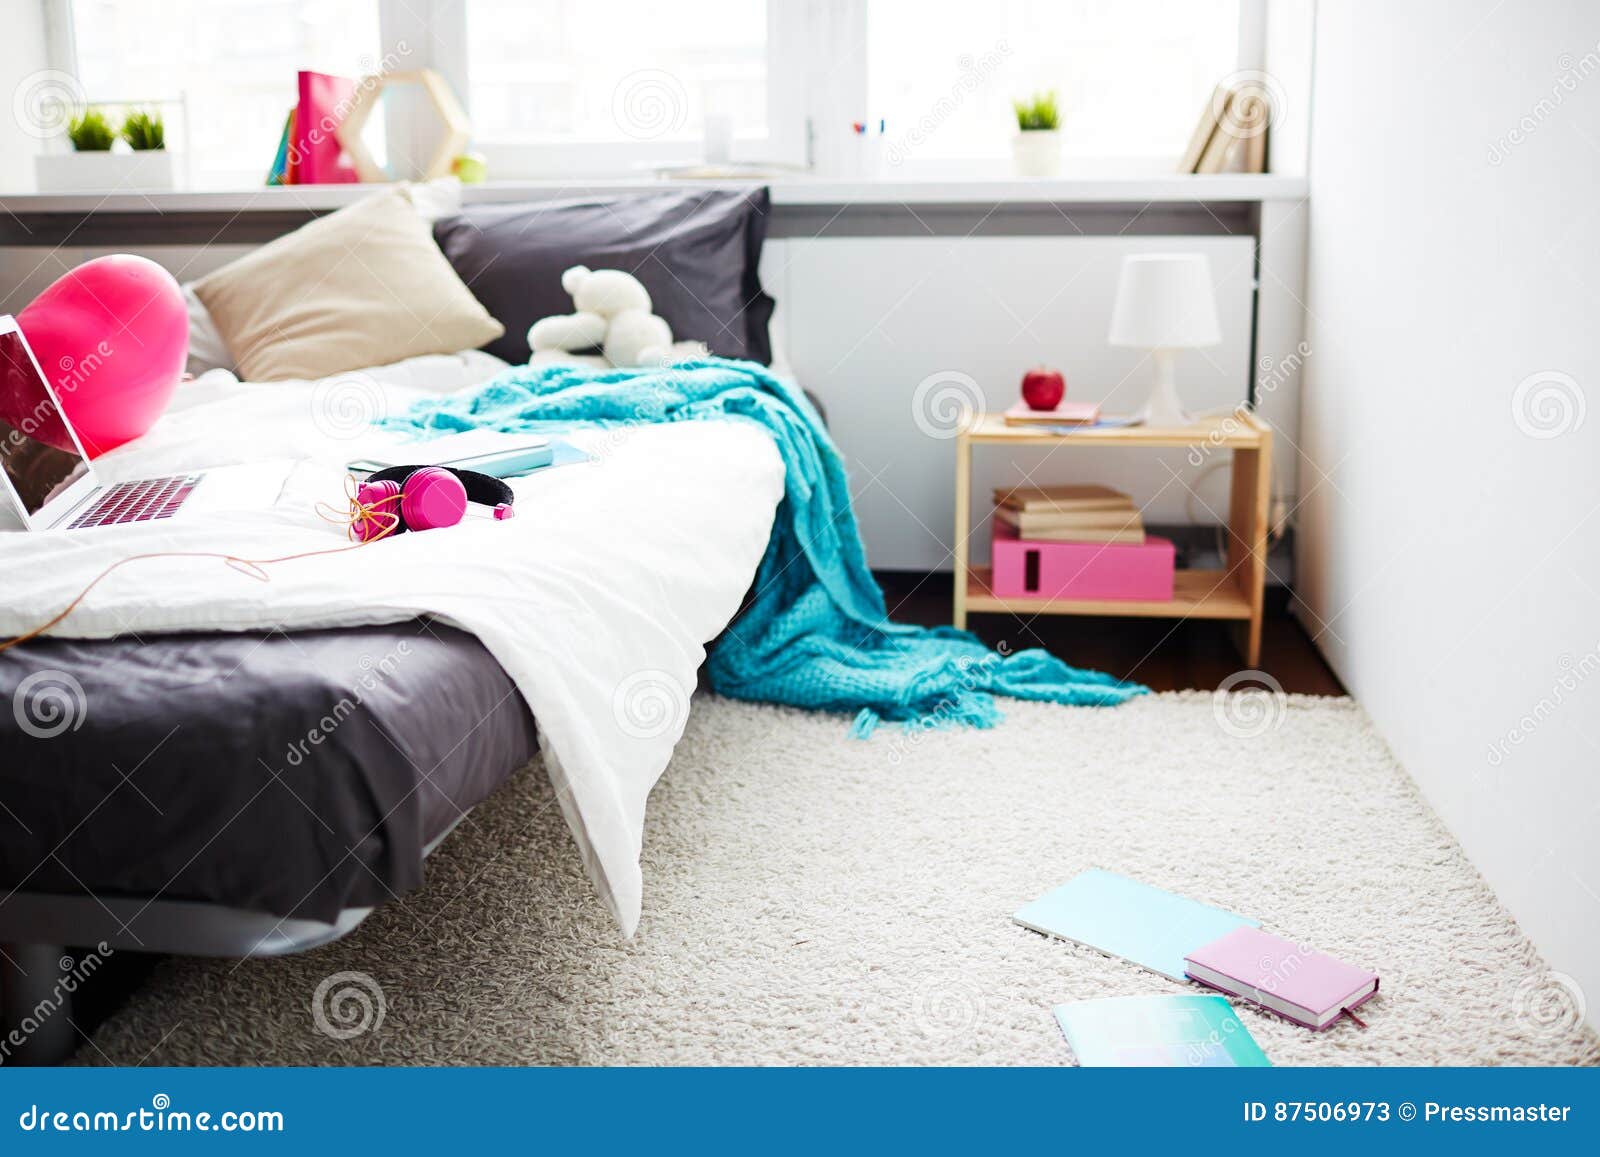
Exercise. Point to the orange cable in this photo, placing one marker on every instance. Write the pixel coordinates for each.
(363, 514)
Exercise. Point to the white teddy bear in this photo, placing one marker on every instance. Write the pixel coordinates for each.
(613, 313)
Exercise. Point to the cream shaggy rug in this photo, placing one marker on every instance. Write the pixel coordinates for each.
(816, 900)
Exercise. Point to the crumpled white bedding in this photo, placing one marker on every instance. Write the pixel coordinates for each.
(596, 598)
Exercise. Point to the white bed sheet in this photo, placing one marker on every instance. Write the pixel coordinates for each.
(597, 598)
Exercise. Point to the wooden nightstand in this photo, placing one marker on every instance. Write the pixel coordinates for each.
(1235, 592)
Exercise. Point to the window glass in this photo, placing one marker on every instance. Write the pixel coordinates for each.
(1131, 77)
(615, 71)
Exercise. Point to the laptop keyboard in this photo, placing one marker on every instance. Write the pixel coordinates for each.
(143, 501)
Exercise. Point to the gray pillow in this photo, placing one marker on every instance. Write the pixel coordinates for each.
(695, 250)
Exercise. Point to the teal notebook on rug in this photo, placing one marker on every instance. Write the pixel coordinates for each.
(1159, 1032)
(1125, 918)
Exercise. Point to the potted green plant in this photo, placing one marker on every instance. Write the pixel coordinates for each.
(91, 132)
(1036, 149)
(95, 164)
(144, 131)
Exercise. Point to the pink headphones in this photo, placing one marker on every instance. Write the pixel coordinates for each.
(404, 498)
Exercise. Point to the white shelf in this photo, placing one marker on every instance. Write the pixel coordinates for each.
(1168, 189)
(1043, 190)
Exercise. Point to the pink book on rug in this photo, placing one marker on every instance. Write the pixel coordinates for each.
(1309, 988)
(324, 101)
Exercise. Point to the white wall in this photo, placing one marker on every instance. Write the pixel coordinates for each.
(869, 319)
(1450, 549)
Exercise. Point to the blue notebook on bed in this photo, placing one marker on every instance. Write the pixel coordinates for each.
(1125, 918)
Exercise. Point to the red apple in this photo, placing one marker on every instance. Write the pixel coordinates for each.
(1043, 388)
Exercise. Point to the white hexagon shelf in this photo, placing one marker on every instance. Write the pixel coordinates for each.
(444, 102)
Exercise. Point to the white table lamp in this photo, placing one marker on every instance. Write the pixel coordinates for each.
(1165, 303)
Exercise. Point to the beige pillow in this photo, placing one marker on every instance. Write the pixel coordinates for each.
(365, 286)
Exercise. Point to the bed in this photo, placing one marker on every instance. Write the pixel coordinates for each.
(336, 756)
(213, 765)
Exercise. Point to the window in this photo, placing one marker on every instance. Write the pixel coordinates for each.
(564, 85)
(608, 88)
(1131, 77)
(571, 70)
(223, 70)
(612, 86)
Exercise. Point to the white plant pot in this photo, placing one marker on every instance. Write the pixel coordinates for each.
(1037, 152)
(103, 171)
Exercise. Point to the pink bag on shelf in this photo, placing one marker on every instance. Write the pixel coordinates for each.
(324, 102)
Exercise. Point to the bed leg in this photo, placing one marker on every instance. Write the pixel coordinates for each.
(35, 1010)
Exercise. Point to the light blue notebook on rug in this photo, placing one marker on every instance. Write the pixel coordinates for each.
(1114, 914)
(1200, 1032)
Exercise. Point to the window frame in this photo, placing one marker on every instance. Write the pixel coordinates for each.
(816, 75)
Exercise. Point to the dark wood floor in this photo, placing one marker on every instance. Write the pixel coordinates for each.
(1163, 654)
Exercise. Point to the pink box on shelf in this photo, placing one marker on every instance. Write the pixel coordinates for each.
(1032, 569)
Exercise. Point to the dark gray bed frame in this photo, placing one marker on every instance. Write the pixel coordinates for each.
(37, 930)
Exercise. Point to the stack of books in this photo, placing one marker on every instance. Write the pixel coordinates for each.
(1232, 131)
(1081, 513)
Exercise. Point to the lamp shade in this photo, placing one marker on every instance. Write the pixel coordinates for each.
(1165, 301)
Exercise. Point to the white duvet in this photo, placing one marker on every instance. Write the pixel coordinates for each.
(596, 598)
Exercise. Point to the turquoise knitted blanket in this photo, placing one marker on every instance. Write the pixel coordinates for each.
(817, 633)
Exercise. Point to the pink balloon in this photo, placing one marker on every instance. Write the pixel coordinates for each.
(112, 336)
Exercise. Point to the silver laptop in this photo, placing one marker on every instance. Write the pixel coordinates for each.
(51, 487)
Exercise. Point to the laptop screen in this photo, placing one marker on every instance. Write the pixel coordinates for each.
(30, 422)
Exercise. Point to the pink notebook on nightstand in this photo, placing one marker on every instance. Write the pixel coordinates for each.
(1306, 987)
(1068, 413)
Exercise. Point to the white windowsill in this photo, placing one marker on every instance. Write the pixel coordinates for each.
(787, 190)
